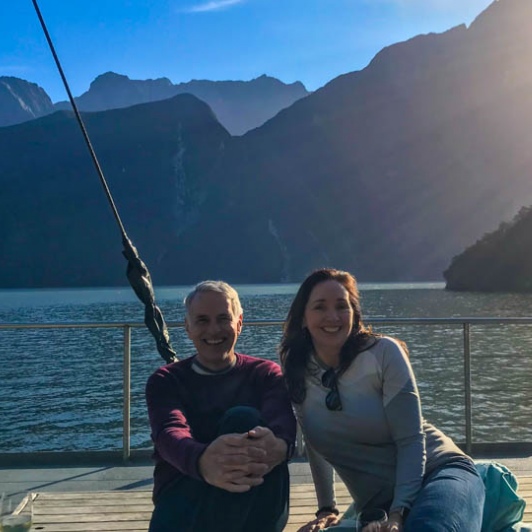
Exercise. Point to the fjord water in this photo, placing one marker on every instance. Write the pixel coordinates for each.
(62, 389)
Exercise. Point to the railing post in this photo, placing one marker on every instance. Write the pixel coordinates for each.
(126, 423)
(467, 387)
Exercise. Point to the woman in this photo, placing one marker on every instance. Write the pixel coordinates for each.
(357, 402)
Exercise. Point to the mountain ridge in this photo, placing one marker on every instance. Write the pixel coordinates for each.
(388, 172)
(239, 105)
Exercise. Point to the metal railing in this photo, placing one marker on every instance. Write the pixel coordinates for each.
(465, 323)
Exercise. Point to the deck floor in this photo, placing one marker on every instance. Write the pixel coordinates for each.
(114, 510)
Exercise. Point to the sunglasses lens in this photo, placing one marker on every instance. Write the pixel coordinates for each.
(328, 379)
(332, 401)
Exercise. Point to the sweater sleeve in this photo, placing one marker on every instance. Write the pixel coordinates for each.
(403, 413)
(276, 408)
(170, 431)
(323, 478)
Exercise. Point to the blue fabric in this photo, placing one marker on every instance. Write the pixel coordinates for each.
(452, 498)
(447, 503)
(504, 507)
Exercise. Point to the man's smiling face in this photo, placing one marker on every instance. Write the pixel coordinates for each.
(213, 327)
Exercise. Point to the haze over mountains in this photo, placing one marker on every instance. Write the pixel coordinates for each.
(238, 105)
(388, 172)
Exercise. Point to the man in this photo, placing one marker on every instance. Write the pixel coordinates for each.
(223, 428)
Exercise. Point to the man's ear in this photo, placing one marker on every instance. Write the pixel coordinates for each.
(186, 326)
(239, 323)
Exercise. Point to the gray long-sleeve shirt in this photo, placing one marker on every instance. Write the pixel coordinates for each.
(378, 444)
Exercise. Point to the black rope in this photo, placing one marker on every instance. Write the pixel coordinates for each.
(137, 272)
(80, 121)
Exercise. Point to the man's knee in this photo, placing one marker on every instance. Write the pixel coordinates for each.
(239, 419)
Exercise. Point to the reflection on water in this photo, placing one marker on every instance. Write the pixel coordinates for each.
(62, 389)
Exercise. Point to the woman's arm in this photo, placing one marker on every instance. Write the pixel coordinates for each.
(403, 413)
(323, 477)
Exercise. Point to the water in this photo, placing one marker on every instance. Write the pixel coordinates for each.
(62, 389)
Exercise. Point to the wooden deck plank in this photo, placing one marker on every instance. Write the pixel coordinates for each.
(114, 511)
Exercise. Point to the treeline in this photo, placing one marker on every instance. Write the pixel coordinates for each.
(500, 261)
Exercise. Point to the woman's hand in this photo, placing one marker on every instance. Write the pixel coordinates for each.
(394, 523)
(324, 520)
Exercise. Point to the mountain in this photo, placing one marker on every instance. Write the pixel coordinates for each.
(239, 105)
(388, 172)
(393, 170)
(58, 228)
(21, 101)
(501, 261)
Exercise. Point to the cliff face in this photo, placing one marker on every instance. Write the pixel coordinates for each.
(388, 172)
(53, 211)
(21, 101)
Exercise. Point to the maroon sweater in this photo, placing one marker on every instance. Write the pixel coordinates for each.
(184, 408)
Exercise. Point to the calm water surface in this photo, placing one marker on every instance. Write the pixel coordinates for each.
(62, 390)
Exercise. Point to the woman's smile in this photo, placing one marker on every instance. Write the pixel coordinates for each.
(329, 319)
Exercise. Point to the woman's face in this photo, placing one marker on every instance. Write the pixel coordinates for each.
(329, 317)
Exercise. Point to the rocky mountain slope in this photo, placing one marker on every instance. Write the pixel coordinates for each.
(21, 101)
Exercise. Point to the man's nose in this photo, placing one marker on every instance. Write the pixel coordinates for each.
(214, 327)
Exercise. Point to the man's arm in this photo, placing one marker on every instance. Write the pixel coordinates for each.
(170, 431)
(232, 462)
(276, 408)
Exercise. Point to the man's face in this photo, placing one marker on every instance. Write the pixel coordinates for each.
(213, 328)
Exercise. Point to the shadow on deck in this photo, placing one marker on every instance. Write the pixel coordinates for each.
(109, 499)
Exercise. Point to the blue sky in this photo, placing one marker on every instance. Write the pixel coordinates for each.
(311, 41)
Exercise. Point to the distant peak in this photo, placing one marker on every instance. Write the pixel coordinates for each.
(113, 78)
(110, 75)
(108, 78)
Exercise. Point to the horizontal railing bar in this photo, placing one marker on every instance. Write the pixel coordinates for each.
(126, 326)
(368, 321)
(145, 456)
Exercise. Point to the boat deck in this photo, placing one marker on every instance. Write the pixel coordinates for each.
(112, 498)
